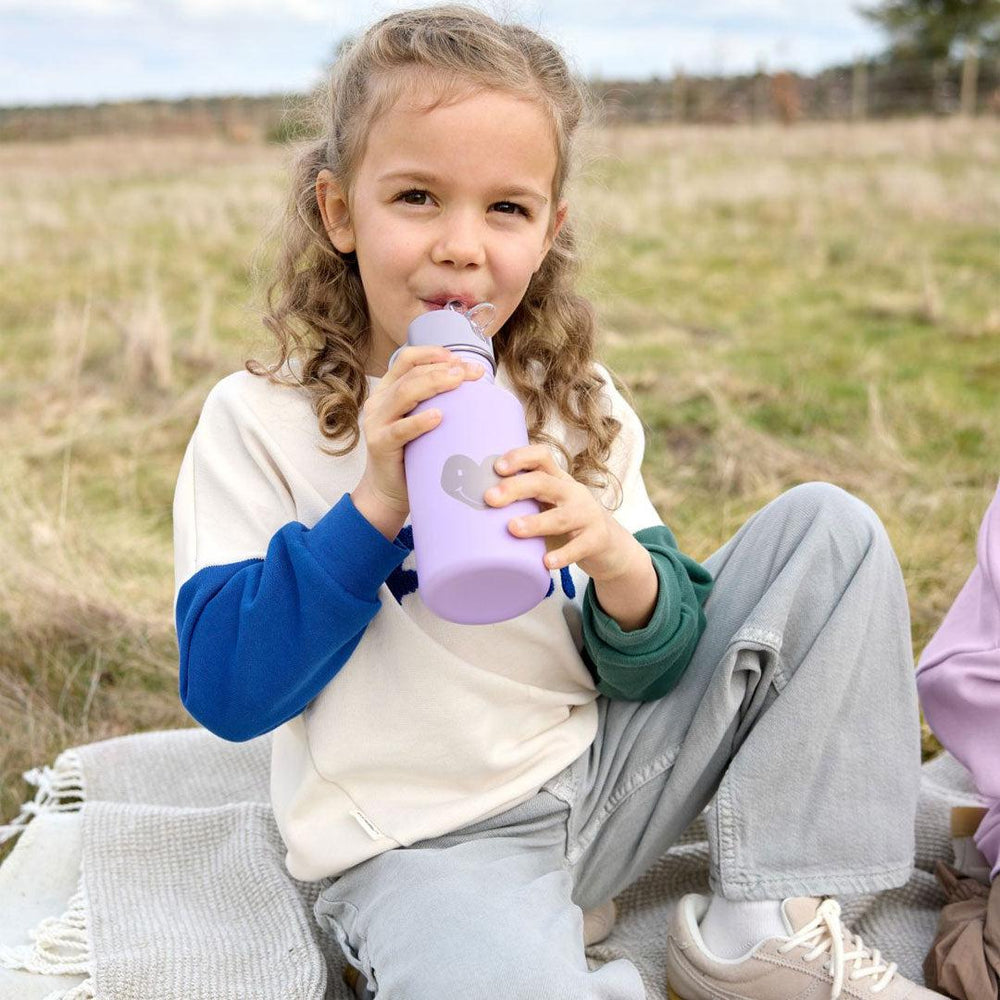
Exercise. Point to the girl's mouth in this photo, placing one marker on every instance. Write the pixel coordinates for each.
(439, 302)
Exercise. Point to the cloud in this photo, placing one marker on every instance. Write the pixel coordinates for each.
(83, 51)
(95, 8)
(540, 12)
(664, 50)
(195, 11)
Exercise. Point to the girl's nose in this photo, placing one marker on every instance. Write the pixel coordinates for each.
(459, 242)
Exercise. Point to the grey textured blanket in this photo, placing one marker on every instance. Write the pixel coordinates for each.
(184, 892)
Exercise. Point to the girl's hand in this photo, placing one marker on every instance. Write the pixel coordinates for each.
(418, 373)
(585, 532)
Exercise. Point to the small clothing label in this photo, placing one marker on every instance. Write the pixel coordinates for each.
(367, 825)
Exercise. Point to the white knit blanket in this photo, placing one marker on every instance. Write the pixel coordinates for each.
(183, 890)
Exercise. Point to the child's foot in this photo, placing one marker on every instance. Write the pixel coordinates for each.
(818, 958)
(597, 923)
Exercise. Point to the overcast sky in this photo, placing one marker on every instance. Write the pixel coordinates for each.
(86, 51)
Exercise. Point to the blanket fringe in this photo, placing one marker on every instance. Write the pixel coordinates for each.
(85, 991)
(61, 945)
(60, 789)
(61, 948)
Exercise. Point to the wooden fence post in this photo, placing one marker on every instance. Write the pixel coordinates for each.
(859, 90)
(678, 95)
(759, 94)
(970, 74)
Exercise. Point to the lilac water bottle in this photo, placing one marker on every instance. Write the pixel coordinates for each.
(471, 569)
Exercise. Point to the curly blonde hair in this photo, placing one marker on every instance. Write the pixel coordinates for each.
(315, 302)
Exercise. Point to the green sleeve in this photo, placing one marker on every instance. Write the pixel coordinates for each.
(646, 663)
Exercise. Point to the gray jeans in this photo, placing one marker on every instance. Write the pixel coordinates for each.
(796, 721)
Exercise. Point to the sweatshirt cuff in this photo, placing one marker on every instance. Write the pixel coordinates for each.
(639, 641)
(353, 549)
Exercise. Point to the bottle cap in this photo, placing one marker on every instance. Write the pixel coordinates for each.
(454, 328)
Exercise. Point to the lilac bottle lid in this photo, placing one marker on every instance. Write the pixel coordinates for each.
(452, 328)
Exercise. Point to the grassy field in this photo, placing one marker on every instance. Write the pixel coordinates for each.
(786, 304)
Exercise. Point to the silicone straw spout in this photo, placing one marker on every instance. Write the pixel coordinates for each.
(480, 316)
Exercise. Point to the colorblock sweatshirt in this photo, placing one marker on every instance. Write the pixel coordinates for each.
(958, 679)
(391, 725)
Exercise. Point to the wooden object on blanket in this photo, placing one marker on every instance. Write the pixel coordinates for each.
(965, 820)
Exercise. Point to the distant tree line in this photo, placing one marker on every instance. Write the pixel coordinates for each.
(868, 89)
(871, 88)
(942, 58)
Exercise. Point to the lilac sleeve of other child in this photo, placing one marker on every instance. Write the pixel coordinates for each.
(958, 678)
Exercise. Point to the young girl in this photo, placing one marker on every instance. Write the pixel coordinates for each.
(466, 792)
(958, 679)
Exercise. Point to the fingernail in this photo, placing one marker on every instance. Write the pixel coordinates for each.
(501, 465)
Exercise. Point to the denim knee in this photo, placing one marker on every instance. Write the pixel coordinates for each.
(455, 979)
(835, 508)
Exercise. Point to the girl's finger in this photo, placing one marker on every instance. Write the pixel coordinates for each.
(556, 521)
(410, 357)
(535, 457)
(572, 552)
(424, 382)
(534, 485)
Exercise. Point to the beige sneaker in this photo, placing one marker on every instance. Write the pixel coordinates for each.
(818, 959)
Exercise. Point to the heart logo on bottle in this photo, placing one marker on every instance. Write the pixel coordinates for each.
(464, 480)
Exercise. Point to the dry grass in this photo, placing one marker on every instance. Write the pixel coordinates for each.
(787, 305)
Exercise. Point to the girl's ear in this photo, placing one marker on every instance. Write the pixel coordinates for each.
(333, 207)
(557, 222)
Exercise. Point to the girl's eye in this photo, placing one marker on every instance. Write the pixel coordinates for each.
(407, 195)
(516, 208)
(422, 194)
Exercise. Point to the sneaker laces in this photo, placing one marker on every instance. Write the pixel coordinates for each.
(826, 933)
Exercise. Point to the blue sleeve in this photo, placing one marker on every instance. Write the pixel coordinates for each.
(259, 639)
(647, 662)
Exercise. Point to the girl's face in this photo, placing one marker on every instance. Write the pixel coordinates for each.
(451, 203)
